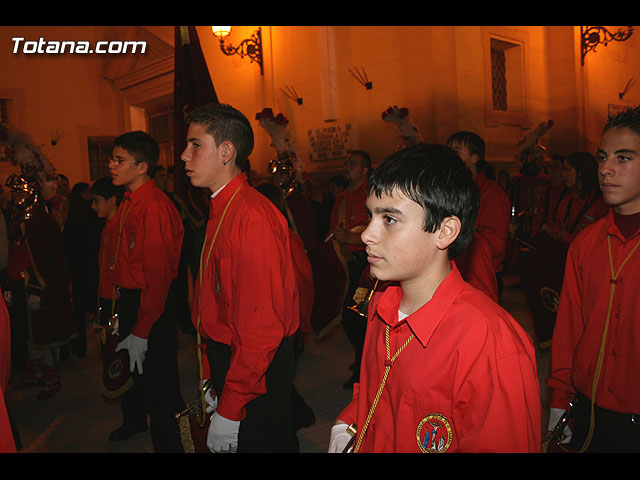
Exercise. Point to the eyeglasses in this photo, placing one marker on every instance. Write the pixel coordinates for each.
(119, 161)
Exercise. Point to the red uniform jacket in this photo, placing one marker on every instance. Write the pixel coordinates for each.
(148, 250)
(493, 218)
(581, 318)
(304, 280)
(575, 213)
(7, 443)
(249, 299)
(349, 210)
(467, 382)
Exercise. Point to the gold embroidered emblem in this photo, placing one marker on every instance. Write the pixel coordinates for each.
(434, 434)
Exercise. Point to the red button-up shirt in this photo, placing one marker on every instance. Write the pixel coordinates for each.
(581, 317)
(470, 364)
(493, 218)
(148, 251)
(349, 210)
(249, 299)
(571, 216)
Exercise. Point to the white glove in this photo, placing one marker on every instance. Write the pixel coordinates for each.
(339, 438)
(223, 434)
(137, 349)
(33, 302)
(554, 417)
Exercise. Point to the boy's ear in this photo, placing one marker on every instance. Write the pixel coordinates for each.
(227, 152)
(143, 168)
(448, 232)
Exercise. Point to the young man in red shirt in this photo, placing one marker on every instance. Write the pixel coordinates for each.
(444, 368)
(595, 354)
(493, 216)
(150, 234)
(245, 300)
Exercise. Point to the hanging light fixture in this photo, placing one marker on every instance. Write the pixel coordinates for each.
(250, 47)
(594, 36)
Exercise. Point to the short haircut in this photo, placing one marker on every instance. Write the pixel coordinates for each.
(474, 143)
(435, 177)
(105, 188)
(225, 123)
(364, 156)
(629, 118)
(142, 147)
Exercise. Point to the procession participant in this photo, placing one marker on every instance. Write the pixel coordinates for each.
(150, 234)
(245, 301)
(445, 368)
(594, 351)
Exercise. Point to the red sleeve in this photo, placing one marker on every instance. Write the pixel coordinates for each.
(476, 267)
(493, 221)
(567, 332)
(7, 444)
(304, 280)
(264, 310)
(162, 242)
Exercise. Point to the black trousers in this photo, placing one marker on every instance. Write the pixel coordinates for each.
(268, 424)
(354, 325)
(614, 432)
(157, 390)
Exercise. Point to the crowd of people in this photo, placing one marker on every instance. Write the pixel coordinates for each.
(438, 364)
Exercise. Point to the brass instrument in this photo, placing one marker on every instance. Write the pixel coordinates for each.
(362, 297)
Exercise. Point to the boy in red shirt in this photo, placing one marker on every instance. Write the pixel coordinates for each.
(147, 254)
(595, 355)
(444, 368)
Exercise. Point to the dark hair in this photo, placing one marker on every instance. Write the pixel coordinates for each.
(436, 178)
(474, 143)
(225, 123)
(629, 118)
(141, 146)
(106, 189)
(586, 168)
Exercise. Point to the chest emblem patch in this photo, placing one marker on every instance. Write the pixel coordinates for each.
(434, 434)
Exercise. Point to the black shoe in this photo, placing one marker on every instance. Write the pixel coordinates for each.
(125, 432)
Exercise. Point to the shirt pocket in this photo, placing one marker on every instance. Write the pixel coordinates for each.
(424, 425)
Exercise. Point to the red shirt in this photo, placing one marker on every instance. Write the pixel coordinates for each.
(581, 317)
(106, 258)
(471, 369)
(476, 266)
(349, 210)
(548, 200)
(571, 216)
(148, 251)
(249, 299)
(7, 443)
(493, 218)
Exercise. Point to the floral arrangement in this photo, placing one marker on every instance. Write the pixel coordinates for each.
(20, 150)
(400, 117)
(529, 147)
(276, 126)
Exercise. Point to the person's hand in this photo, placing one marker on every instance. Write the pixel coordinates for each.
(137, 350)
(554, 417)
(33, 302)
(339, 438)
(222, 436)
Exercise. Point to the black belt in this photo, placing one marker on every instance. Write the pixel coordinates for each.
(610, 415)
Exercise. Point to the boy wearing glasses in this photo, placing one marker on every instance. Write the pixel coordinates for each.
(149, 239)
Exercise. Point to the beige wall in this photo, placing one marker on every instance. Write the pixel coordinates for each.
(439, 73)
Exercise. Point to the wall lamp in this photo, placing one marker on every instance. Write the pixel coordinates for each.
(251, 47)
(594, 36)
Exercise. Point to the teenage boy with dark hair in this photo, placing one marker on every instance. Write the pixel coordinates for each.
(444, 367)
(594, 353)
(245, 301)
(493, 215)
(106, 199)
(150, 234)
